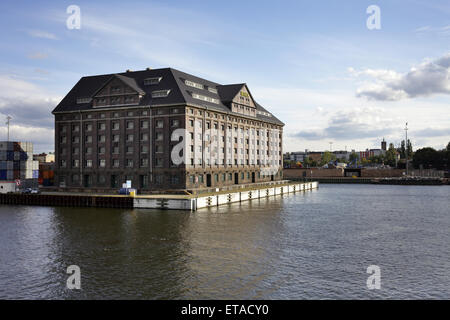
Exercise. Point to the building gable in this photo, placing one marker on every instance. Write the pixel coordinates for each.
(118, 90)
(243, 102)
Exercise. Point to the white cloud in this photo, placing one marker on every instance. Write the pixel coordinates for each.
(27, 103)
(42, 138)
(427, 79)
(353, 124)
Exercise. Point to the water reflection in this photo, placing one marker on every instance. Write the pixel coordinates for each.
(309, 245)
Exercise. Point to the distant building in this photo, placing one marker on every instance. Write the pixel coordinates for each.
(342, 155)
(383, 145)
(298, 156)
(315, 156)
(370, 153)
(44, 157)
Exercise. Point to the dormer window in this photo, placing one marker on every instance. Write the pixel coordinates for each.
(193, 84)
(213, 90)
(83, 100)
(205, 98)
(152, 81)
(160, 93)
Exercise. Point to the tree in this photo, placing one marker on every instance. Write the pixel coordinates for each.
(377, 159)
(427, 157)
(403, 151)
(448, 147)
(391, 155)
(353, 157)
(327, 157)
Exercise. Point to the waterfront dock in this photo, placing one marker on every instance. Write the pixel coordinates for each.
(190, 202)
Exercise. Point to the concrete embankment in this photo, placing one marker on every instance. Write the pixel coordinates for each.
(161, 201)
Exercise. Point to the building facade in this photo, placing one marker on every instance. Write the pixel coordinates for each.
(163, 129)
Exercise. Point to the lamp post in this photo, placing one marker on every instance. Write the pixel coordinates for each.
(406, 147)
(8, 118)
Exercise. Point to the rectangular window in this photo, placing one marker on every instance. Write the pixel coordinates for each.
(160, 93)
(144, 162)
(152, 81)
(101, 126)
(130, 138)
(130, 124)
(205, 98)
(88, 163)
(213, 90)
(143, 179)
(144, 124)
(102, 163)
(116, 163)
(144, 136)
(193, 84)
(159, 123)
(115, 125)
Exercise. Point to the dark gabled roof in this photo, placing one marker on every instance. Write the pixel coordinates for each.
(131, 82)
(172, 79)
(229, 91)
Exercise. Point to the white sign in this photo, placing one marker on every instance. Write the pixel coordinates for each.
(128, 184)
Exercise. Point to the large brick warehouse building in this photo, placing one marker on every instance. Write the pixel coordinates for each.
(164, 130)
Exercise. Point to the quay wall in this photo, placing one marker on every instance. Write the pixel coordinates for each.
(175, 202)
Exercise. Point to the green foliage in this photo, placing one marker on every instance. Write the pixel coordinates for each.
(427, 158)
(353, 156)
(390, 156)
(403, 150)
(327, 157)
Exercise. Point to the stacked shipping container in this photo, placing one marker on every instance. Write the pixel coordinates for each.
(16, 161)
(46, 174)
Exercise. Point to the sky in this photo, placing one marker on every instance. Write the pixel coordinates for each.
(334, 82)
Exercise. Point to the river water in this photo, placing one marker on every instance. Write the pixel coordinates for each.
(312, 245)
